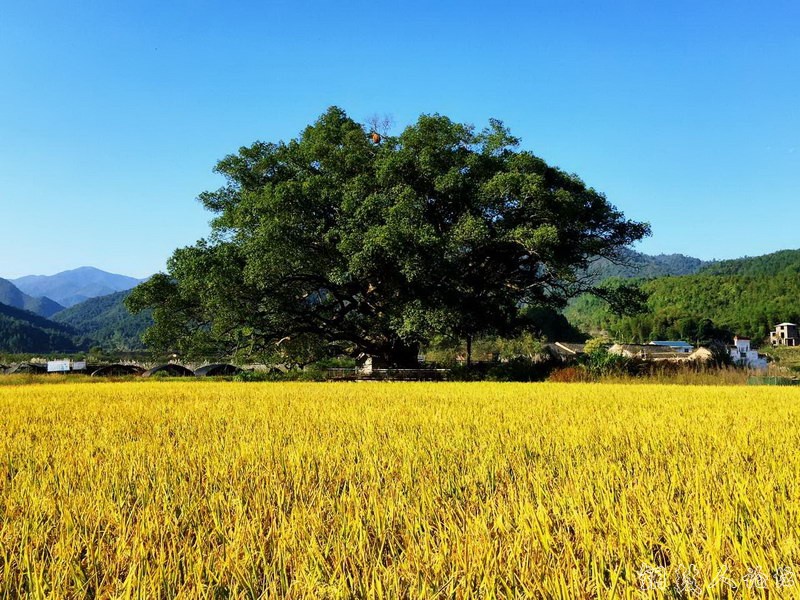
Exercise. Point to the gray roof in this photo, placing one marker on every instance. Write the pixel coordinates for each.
(569, 348)
(26, 367)
(671, 344)
(648, 352)
(645, 347)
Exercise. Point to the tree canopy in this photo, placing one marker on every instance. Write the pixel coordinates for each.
(341, 240)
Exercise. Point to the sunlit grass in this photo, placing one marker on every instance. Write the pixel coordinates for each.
(165, 489)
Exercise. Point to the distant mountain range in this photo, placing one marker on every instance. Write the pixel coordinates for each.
(11, 295)
(69, 288)
(90, 312)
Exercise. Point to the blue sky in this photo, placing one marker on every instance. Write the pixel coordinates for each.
(112, 115)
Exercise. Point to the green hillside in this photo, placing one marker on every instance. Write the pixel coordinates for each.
(645, 266)
(784, 261)
(107, 322)
(11, 295)
(24, 332)
(747, 296)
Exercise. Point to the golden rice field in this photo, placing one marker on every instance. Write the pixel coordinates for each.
(364, 490)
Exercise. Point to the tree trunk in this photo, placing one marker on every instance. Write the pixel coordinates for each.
(400, 355)
(469, 351)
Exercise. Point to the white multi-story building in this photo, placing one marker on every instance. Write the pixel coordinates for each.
(785, 334)
(743, 355)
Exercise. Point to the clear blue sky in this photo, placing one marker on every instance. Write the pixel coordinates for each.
(112, 115)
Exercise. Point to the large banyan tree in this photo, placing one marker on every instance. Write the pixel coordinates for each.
(349, 242)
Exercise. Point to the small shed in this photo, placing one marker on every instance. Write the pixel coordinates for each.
(169, 370)
(117, 370)
(217, 370)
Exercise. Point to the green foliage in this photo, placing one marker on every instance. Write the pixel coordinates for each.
(547, 324)
(744, 297)
(24, 332)
(596, 345)
(378, 248)
(108, 322)
(599, 362)
(643, 266)
(310, 373)
(259, 376)
(785, 356)
(720, 355)
(516, 369)
(783, 261)
(11, 295)
(525, 346)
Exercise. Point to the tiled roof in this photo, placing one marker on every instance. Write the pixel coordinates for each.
(569, 348)
(644, 348)
(674, 344)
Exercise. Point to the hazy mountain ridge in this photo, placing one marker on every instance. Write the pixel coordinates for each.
(69, 288)
(646, 266)
(11, 295)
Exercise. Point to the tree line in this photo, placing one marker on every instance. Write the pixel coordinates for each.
(701, 307)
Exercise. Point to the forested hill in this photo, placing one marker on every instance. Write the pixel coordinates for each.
(784, 261)
(23, 332)
(645, 266)
(107, 322)
(11, 295)
(747, 296)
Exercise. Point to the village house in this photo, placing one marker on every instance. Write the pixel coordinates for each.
(676, 346)
(566, 352)
(785, 334)
(743, 355)
(653, 352)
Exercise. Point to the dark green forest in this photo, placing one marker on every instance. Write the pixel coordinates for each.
(747, 296)
(783, 261)
(107, 322)
(23, 332)
(98, 322)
